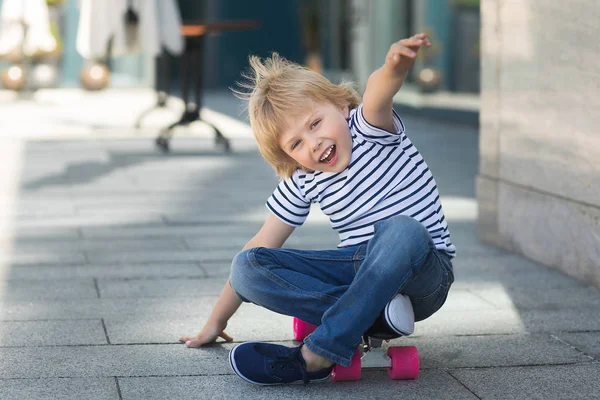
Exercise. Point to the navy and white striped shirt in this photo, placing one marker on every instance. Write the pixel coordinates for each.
(386, 176)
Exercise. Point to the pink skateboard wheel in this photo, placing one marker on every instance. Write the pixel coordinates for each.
(404, 362)
(351, 373)
(302, 329)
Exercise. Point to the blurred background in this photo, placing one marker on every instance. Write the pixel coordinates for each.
(343, 39)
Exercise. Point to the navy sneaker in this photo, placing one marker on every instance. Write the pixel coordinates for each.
(272, 364)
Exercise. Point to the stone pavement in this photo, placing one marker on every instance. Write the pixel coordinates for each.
(109, 251)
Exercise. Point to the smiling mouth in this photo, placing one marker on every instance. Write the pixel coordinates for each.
(328, 155)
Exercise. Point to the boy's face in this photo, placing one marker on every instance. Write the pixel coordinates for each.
(320, 139)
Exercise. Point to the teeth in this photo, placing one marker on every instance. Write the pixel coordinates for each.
(327, 154)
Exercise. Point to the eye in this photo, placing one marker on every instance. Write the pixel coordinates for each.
(295, 144)
(314, 124)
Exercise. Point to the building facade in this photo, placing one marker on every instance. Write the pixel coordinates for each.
(539, 179)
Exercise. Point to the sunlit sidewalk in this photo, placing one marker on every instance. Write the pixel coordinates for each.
(110, 250)
(76, 113)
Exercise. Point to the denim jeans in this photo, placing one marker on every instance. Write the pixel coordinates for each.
(343, 291)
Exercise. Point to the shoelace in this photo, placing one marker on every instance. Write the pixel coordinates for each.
(290, 361)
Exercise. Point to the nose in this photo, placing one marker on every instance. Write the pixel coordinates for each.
(316, 143)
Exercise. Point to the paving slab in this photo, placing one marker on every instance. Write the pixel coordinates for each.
(110, 361)
(41, 257)
(90, 308)
(41, 233)
(373, 385)
(70, 245)
(510, 270)
(586, 342)
(60, 389)
(492, 351)
(508, 320)
(107, 271)
(51, 333)
(162, 230)
(160, 287)
(541, 295)
(157, 256)
(47, 290)
(319, 241)
(79, 221)
(251, 323)
(543, 383)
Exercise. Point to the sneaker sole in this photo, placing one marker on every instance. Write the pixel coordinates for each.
(238, 373)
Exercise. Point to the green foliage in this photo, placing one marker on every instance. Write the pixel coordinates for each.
(466, 3)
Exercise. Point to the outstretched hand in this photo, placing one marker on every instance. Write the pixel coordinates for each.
(208, 334)
(401, 56)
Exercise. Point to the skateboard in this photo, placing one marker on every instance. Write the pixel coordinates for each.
(402, 362)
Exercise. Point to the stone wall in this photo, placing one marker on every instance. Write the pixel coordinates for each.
(539, 179)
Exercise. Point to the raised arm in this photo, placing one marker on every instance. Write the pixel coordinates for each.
(273, 234)
(384, 83)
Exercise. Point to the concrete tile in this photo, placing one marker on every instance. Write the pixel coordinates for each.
(158, 287)
(325, 240)
(79, 221)
(48, 233)
(463, 300)
(586, 342)
(466, 237)
(158, 256)
(491, 351)
(41, 257)
(62, 245)
(536, 382)
(51, 333)
(46, 290)
(172, 231)
(59, 388)
(374, 384)
(216, 269)
(249, 323)
(507, 321)
(41, 209)
(194, 307)
(107, 361)
(127, 271)
(540, 296)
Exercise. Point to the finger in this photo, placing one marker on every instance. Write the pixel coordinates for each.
(400, 51)
(226, 337)
(186, 338)
(194, 343)
(413, 41)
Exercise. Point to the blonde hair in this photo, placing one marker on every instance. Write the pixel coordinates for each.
(277, 89)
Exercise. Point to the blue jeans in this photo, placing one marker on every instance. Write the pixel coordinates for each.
(343, 291)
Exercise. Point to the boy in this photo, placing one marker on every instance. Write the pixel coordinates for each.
(393, 265)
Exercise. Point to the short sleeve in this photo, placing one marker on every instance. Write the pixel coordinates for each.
(288, 203)
(361, 127)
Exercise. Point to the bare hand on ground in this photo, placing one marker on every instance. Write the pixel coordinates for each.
(208, 334)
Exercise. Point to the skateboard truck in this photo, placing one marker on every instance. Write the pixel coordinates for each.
(370, 342)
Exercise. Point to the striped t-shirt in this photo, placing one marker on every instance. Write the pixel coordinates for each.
(386, 176)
